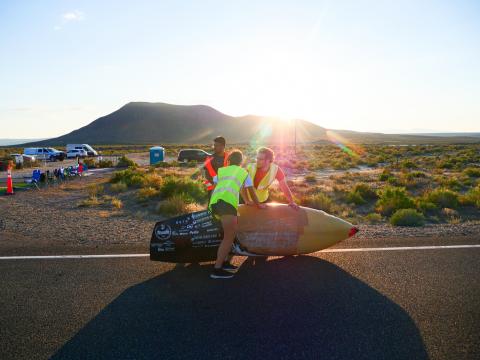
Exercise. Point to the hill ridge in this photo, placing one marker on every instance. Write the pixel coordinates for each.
(140, 122)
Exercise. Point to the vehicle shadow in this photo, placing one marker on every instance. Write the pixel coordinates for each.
(296, 307)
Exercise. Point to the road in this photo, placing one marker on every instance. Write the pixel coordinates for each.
(403, 304)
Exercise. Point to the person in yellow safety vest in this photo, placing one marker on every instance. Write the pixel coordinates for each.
(214, 162)
(224, 205)
(264, 172)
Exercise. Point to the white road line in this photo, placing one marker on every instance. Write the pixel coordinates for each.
(53, 257)
(402, 248)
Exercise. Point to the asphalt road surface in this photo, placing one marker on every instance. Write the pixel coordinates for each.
(403, 304)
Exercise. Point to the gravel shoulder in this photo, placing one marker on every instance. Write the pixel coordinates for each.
(50, 220)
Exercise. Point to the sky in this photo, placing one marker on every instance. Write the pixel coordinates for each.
(383, 66)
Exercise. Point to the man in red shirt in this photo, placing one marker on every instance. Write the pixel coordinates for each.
(263, 173)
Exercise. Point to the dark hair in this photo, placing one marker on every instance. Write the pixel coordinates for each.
(235, 157)
(269, 154)
(220, 139)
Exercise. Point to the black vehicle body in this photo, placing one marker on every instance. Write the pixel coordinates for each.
(186, 238)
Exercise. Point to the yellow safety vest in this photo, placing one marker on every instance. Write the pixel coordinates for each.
(230, 180)
(262, 190)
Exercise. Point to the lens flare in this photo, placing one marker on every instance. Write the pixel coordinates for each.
(262, 135)
(346, 146)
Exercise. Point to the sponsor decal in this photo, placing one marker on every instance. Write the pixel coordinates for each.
(200, 214)
(205, 236)
(163, 232)
(181, 222)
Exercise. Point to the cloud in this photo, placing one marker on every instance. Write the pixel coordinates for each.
(68, 17)
(75, 15)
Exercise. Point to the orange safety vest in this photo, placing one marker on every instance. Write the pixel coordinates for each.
(211, 171)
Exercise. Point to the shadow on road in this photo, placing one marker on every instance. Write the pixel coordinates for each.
(301, 307)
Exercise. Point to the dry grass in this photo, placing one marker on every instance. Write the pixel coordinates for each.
(116, 203)
(119, 187)
(176, 205)
(91, 201)
(147, 193)
(95, 189)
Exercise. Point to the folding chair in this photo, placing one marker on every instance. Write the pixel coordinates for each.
(34, 180)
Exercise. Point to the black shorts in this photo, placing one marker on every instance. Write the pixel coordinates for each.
(221, 208)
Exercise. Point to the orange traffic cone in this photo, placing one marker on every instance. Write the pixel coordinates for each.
(9, 181)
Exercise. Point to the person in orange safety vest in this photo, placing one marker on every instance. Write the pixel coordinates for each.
(214, 162)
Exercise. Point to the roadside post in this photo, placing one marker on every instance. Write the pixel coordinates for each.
(9, 179)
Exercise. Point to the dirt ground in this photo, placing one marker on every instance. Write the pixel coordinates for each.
(51, 216)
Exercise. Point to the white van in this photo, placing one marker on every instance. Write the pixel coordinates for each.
(43, 153)
(90, 151)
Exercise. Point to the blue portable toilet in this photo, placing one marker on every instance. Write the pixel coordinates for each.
(157, 154)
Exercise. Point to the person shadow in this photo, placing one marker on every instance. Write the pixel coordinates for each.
(287, 308)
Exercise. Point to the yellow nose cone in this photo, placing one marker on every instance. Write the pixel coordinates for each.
(281, 230)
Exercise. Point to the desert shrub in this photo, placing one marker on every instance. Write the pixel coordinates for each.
(408, 164)
(318, 201)
(105, 163)
(443, 198)
(175, 205)
(152, 180)
(452, 215)
(311, 178)
(91, 201)
(392, 199)
(445, 164)
(126, 162)
(373, 218)
(468, 182)
(384, 176)
(472, 171)
(90, 162)
(164, 164)
(340, 165)
(116, 202)
(453, 184)
(415, 175)
(95, 189)
(147, 193)
(425, 206)
(189, 188)
(407, 217)
(118, 187)
(471, 198)
(392, 180)
(355, 197)
(365, 191)
(130, 177)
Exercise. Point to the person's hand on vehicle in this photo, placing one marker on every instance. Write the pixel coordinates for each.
(294, 205)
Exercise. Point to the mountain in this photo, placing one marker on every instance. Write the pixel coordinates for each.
(160, 123)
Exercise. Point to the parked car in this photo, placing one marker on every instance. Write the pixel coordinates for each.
(22, 160)
(43, 153)
(76, 153)
(90, 151)
(192, 155)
